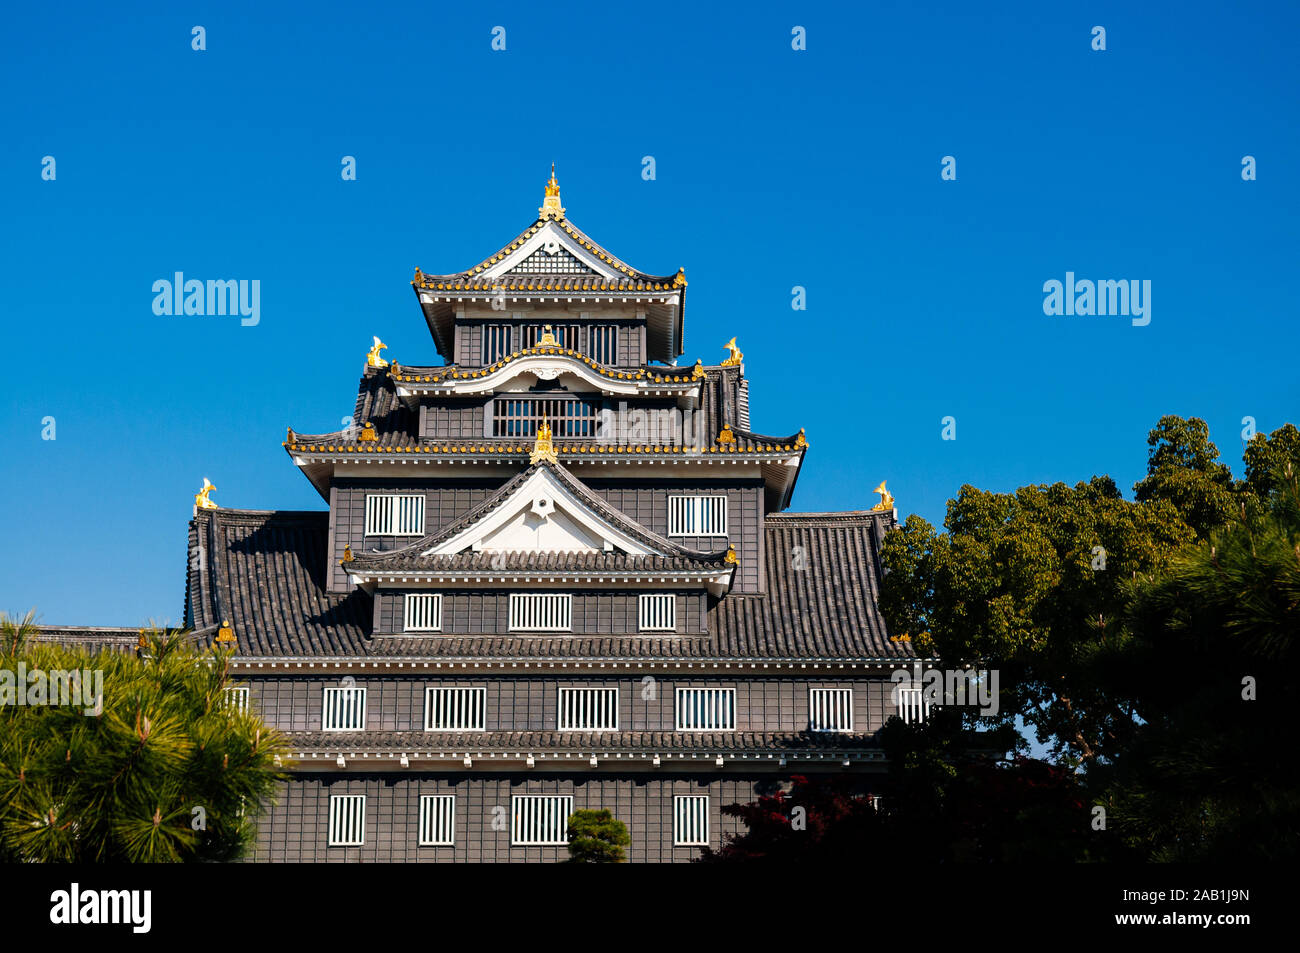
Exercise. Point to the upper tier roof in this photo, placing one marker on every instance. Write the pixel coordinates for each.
(264, 572)
(552, 259)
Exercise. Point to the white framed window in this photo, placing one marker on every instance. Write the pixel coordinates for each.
(657, 612)
(541, 612)
(394, 514)
(540, 819)
(344, 709)
(455, 709)
(691, 820)
(236, 698)
(347, 820)
(706, 709)
(588, 709)
(913, 706)
(437, 820)
(422, 612)
(697, 516)
(830, 709)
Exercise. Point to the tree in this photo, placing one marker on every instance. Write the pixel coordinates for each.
(1208, 664)
(1030, 583)
(152, 764)
(597, 837)
(1183, 469)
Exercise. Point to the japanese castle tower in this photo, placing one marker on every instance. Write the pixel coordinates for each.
(556, 572)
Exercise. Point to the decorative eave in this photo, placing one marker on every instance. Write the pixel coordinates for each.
(547, 363)
(716, 581)
(362, 664)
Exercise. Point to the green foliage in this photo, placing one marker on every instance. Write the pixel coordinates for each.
(123, 785)
(1012, 585)
(1183, 469)
(596, 837)
(1208, 664)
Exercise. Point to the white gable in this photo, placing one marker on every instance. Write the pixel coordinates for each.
(552, 242)
(541, 516)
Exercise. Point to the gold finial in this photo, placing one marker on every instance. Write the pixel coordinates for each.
(419, 276)
(734, 356)
(372, 356)
(726, 436)
(543, 449)
(368, 434)
(291, 438)
(201, 500)
(225, 633)
(551, 208)
(548, 338)
(731, 559)
(698, 373)
(347, 554)
(679, 279)
(800, 441)
(886, 498)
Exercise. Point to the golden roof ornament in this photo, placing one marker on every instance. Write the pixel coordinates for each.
(734, 356)
(347, 555)
(731, 559)
(800, 441)
(698, 373)
(201, 500)
(679, 279)
(543, 450)
(551, 208)
(548, 337)
(419, 276)
(225, 633)
(368, 434)
(372, 356)
(886, 498)
(725, 435)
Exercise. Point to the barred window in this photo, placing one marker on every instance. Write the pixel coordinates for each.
(236, 698)
(706, 709)
(437, 820)
(455, 709)
(344, 709)
(604, 343)
(541, 612)
(394, 514)
(540, 819)
(566, 416)
(423, 612)
(496, 342)
(913, 706)
(347, 820)
(588, 709)
(691, 820)
(830, 709)
(566, 335)
(657, 613)
(697, 516)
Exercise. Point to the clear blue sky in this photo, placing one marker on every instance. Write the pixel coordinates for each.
(775, 168)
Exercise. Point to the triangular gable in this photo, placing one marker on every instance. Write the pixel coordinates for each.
(549, 242)
(551, 259)
(542, 514)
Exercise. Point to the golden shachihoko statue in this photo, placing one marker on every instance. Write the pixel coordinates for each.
(734, 356)
(886, 498)
(372, 356)
(201, 498)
